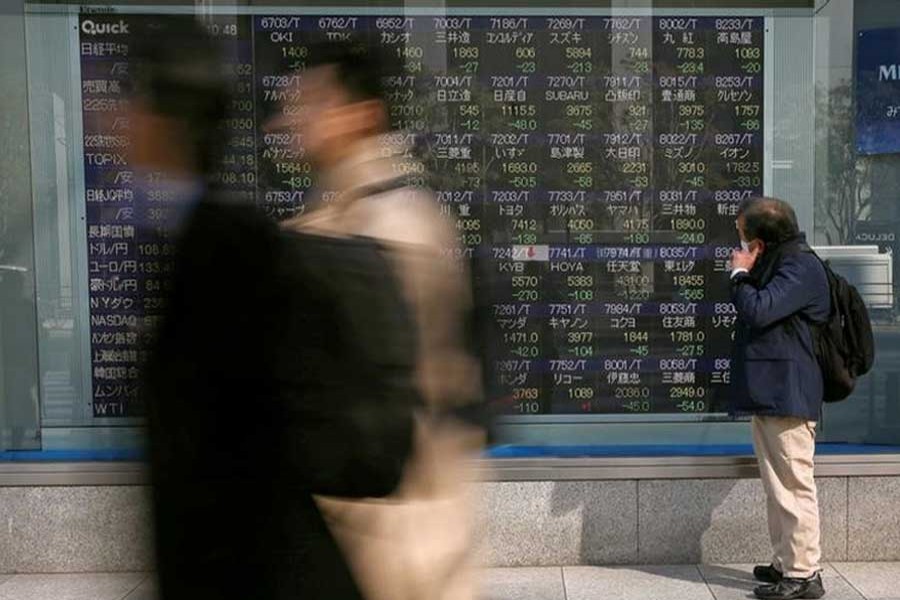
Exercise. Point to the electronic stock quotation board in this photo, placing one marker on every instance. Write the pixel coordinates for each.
(592, 166)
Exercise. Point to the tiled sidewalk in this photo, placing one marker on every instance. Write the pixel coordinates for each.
(843, 581)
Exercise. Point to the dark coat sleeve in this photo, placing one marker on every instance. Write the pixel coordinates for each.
(786, 294)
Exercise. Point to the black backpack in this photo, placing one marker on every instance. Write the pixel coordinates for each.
(844, 344)
(346, 365)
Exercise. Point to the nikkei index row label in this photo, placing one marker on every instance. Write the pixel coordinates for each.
(592, 166)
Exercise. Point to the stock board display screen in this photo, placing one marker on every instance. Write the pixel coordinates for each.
(592, 166)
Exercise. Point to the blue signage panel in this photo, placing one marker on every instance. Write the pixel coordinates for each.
(878, 91)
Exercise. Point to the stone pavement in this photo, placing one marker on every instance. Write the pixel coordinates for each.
(843, 581)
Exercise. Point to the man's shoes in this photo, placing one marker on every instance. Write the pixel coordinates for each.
(790, 588)
(767, 574)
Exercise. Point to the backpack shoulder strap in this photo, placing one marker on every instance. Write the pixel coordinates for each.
(378, 188)
(829, 276)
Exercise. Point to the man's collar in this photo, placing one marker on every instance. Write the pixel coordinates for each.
(373, 161)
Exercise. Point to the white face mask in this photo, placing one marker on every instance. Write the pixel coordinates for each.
(745, 246)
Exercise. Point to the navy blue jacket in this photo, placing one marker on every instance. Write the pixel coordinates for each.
(774, 368)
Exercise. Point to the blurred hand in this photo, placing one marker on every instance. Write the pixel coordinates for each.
(745, 260)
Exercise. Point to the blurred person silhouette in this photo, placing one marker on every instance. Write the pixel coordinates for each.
(249, 384)
(417, 543)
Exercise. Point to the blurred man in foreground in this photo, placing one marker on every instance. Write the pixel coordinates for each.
(250, 381)
(778, 288)
(415, 544)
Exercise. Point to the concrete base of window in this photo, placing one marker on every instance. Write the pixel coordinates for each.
(64, 519)
(75, 529)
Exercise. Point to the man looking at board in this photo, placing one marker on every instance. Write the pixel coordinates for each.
(778, 287)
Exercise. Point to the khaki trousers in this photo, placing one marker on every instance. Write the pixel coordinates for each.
(784, 448)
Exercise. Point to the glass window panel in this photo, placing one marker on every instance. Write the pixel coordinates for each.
(18, 337)
(543, 85)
